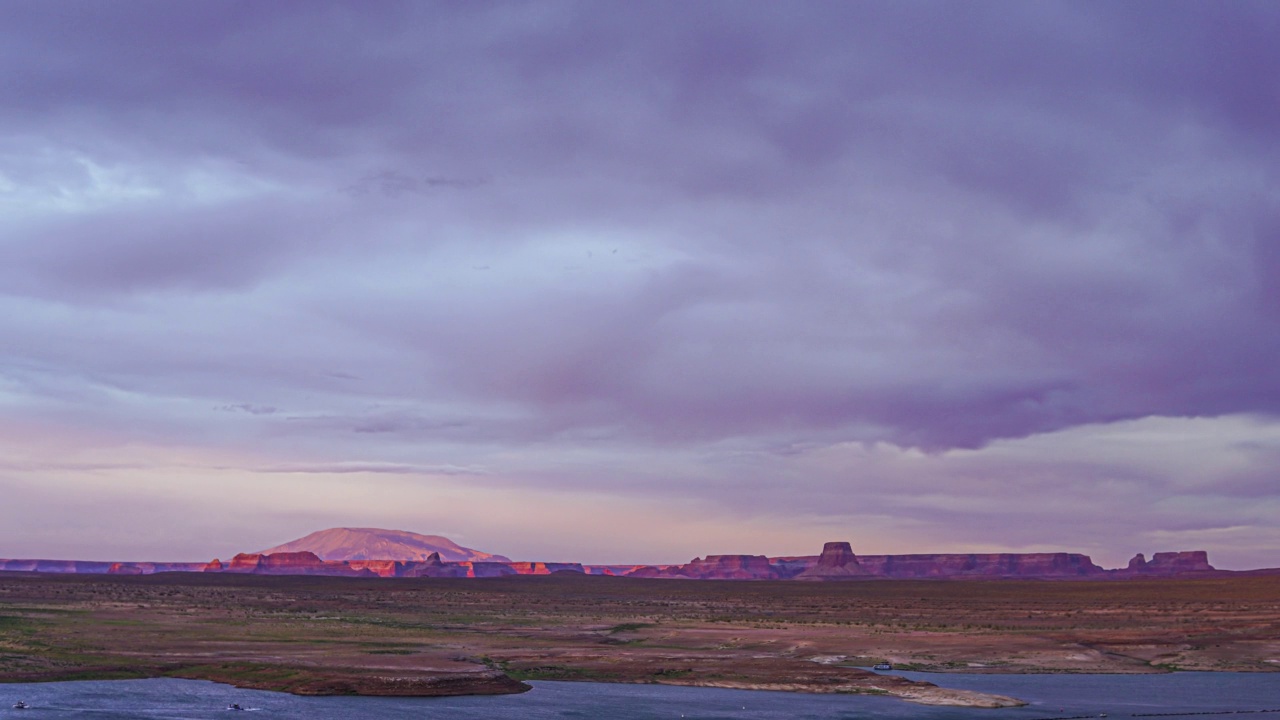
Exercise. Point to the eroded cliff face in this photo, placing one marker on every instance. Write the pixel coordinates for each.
(486, 569)
(289, 563)
(836, 562)
(545, 568)
(715, 567)
(789, 567)
(614, 570)
(381, 568)
(433, 566)
(1038, 565)
(149, 568)
(1170, 563)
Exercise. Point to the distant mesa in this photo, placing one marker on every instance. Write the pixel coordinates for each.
(378, 544)
(838, 562)
(1039, 565)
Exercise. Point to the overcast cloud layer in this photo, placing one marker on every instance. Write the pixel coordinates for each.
(635, 282)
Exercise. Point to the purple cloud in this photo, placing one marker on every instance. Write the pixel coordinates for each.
(438, 236)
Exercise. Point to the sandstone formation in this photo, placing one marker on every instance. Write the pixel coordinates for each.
(716, 567)
(381, 568)
(545, 568)
(616, 570)
(150, 568)
(1171, 563)
(789, 567)
(1043, 565)
(837, 562)
(292, 563)
(433, 566)
(487, 569)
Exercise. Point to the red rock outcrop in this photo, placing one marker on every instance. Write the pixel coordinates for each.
(294, 563)
(1176, 562)
(545, 568)
(485, 569)
(381, 568)
(789, 567)
(1169, 563)
(433, 566)
(616, 570)
(837, 562)
(716, 567)
(150, 568)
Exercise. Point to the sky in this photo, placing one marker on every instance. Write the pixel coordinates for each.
(639, 282)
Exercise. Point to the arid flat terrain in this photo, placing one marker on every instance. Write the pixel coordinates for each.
(441, 636)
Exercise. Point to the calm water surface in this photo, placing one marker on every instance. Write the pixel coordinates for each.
(1051, 696)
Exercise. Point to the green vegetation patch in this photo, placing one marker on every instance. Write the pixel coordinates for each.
(15, 622)
(557, 672)
(104, 674)
(40, 610)
(629, 627)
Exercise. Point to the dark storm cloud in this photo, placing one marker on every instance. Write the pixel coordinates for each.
(562, 224)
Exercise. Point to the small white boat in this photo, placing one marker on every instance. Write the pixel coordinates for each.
(882, 666)
(234, 706)
(20, 705)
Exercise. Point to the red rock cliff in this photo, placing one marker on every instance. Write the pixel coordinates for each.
(1169, 563)
(715, 567)
(980, 565)
(381, 568)
(545, 568)
(290, 563)
(837, 562)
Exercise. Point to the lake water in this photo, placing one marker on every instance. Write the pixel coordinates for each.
(1051, 696)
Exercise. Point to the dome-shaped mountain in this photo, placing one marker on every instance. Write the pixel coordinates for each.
(378, 544)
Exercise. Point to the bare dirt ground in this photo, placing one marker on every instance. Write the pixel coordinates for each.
(453, 636)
